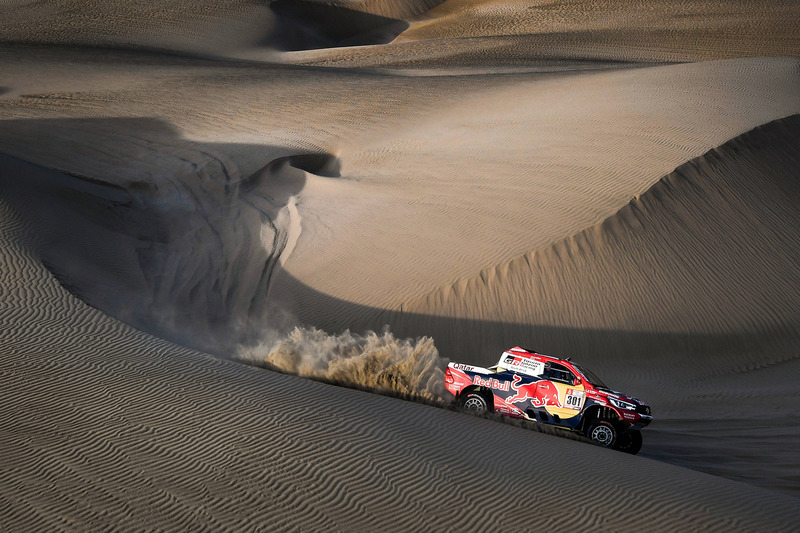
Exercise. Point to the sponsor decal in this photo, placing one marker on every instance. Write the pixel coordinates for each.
(540, 393)
(523, 392)
(492, 383)
(523, 365)
(460, 366)
(574, 399)
(546, 395)
(628, 416)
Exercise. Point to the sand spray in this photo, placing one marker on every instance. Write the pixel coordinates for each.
(378, 362)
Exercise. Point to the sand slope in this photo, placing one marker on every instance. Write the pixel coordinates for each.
(106, 425)
(691, 284)
(515, 167)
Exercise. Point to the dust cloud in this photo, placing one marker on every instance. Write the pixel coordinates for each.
(377, 362)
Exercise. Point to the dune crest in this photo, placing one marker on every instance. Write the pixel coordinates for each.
(714, 244)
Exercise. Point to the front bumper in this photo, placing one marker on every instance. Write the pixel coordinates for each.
(643, 421)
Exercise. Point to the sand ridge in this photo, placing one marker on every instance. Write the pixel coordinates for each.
(548, 162)
(492, 32)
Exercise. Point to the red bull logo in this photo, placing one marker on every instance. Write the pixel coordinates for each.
(541, 393)
(492, 383)
(546, 395)
(523, 392)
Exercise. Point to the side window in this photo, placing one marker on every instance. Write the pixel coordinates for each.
(560, 373)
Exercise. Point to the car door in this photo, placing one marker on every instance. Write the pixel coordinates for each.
(560, 393)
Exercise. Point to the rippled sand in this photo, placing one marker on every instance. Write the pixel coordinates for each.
(184, 188)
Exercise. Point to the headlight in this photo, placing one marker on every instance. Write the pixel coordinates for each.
(622, 404)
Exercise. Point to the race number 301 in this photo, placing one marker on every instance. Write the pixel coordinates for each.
(574, 399)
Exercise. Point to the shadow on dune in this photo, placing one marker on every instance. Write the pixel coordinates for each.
(305, 25)
(170, 236)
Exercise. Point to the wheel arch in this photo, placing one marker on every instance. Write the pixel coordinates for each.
(596, 411)
(486, 392)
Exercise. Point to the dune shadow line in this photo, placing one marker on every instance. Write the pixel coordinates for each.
(304, 25)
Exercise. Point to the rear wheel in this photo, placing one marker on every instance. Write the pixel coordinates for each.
(602, 432)
(629, 442)
(474, 403)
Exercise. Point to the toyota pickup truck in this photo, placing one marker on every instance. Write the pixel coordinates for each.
(550, 390)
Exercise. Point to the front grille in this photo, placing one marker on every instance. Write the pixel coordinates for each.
(643, 409)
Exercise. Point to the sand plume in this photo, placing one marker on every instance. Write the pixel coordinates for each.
(373, 361)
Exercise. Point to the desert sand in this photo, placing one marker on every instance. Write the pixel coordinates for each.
(241, 240)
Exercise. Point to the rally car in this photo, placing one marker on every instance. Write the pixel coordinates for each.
(546, 389)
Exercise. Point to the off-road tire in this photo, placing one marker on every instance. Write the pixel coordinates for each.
(603, 433)
(629, 442)
(474, 403)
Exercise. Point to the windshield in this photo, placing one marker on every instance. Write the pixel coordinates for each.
(588, 374)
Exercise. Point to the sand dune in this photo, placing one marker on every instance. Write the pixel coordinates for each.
(734, 202)
(509, 32)
(557, 162)
(648, 296)
(207, 27)
(108, 425)
(551, 157)
(688, 287)
(187, 187)
(466, 32)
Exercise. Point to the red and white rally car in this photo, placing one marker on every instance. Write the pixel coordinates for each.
(550, 390)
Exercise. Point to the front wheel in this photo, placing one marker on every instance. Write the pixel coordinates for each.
(629, 442)
(474, 403)
(602, 432)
